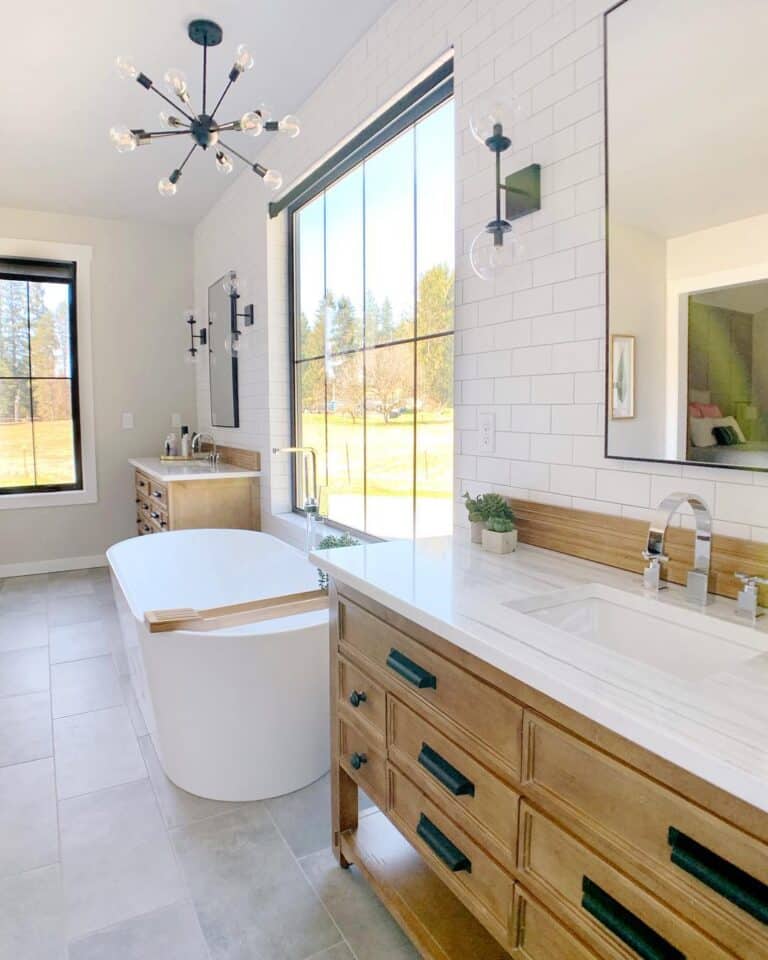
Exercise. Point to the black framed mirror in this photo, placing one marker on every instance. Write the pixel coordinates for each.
(686, 91)
(222, 359)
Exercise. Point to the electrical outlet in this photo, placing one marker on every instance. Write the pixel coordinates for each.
(487, 424)
(175, 419)
(127, 420)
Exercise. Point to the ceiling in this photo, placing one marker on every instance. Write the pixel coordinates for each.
(744, 297)
(60, 94)
(687, 104)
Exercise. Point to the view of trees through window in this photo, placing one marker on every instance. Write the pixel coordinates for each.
(374, 305)
(38, 444)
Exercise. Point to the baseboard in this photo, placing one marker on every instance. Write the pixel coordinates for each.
(51, 566)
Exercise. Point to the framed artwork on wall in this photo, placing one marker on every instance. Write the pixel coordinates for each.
(622, 377)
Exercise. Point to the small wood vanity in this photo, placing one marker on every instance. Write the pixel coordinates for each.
(511, 826)
(173, 497)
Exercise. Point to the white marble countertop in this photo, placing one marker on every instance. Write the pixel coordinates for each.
(166, 471)
(714, 726)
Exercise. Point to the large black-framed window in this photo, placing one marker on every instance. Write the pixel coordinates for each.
(40, 449)
(372, 276)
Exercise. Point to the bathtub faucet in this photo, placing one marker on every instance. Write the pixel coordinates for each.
(311, 504)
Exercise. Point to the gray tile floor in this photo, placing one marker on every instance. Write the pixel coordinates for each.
(103, 858)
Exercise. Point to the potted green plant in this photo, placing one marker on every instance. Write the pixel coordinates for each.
(328, 543)
(476, 517)
(500, 534)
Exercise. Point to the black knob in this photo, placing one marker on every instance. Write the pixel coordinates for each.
(154, 514)
(157, 494)
(357, 760)
(356, 698)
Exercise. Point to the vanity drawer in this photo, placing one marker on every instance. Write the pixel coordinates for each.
(142, 484)
(359, 756)
(455, 781)
(606, 904)
(363, 700)
(158, 493)
(715, 873)
(158, 518)
(540, 936)
(474, 705)
(480, 882)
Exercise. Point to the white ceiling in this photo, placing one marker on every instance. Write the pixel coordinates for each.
(60, 93)
(687, 108)
(745, 297)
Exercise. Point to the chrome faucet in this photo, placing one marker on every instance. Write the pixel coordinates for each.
(213, 456)
(697, 584)
(748, 601)
(311, 504)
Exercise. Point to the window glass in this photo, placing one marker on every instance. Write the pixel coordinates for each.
(373, 313)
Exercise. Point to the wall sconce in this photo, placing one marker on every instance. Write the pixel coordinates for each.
(191, 354)
(231, 286)
(496, 246)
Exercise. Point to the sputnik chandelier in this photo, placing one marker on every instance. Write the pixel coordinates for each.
(202, 127)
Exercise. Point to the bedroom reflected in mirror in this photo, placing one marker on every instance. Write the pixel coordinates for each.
(686, 93)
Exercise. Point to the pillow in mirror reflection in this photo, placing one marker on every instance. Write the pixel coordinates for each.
(701, 430)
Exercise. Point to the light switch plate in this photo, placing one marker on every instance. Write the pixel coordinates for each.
(487, 426)
(127, 420)
(175, 419)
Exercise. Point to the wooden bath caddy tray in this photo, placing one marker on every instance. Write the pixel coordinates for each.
(254, 611)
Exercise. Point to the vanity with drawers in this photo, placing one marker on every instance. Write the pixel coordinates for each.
(508, 824)
(181, 496)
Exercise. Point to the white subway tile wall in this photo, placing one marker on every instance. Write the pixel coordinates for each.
(530, 344)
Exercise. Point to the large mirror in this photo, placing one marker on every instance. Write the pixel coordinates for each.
(221, 358)
(687, 168)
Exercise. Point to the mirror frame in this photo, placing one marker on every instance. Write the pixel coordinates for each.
(235, 380)
(607, 360)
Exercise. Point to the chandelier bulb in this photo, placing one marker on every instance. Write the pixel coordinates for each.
(290, 126)
(273, 179)
(176, 84)
(223, 163)
(123, 139)
(243, 59)
(166, 187)
(169, 120)
(126, 68)
(252, 123)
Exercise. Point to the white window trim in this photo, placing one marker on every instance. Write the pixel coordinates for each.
(80, 255)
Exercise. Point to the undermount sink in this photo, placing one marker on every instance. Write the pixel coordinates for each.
(677, 641)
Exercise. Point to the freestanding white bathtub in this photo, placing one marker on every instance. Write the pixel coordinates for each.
(235, 714)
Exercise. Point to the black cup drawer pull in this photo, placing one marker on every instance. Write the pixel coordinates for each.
(357, 697)
(452, 779)
(720, 875)
(437, 841)
(410, 671)
(630, 929)
(357, 760)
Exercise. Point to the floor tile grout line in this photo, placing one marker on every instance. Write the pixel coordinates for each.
(71, 941)
(311, 886)
(59, 846)
(84, 713)
(90, 793)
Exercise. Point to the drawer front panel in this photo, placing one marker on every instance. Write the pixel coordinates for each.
(483, 885)
(158, 493)
(359, 756)
(142, 484)
(607, 902)
(453, 779)
(470, 702)
(361, 695)
(721, 871)
(540, 936)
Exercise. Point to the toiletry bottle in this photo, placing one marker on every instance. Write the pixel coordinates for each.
(185, 449)
(167, 446)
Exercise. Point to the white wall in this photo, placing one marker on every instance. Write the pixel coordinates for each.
(141, 281)
(529, 346)
(638, 297)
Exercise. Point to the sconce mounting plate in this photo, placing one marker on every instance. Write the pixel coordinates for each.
(523, 192)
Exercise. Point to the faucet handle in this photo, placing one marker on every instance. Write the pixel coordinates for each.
(747, 600)
(652, 573)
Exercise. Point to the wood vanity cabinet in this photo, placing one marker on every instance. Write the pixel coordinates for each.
(510, 826)
(185, 504)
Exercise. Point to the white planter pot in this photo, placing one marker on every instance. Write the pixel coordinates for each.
(476, 528)
(499, 542)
